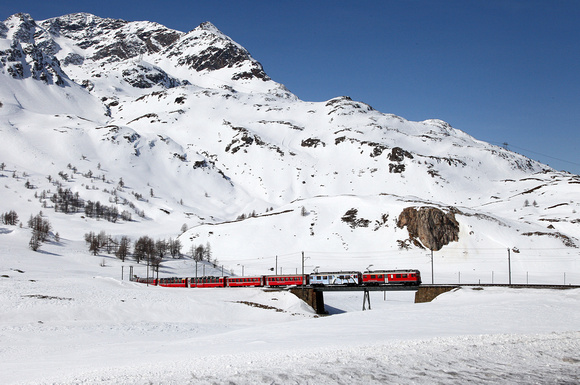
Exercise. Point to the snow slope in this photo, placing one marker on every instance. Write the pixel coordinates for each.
(68, 320)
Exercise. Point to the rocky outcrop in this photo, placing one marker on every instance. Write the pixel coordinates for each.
(112, 39)
(431, 226)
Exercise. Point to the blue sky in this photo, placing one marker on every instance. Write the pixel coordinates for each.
(504, 71)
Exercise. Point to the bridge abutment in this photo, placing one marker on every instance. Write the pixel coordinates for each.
(428, 293)
(311, 297)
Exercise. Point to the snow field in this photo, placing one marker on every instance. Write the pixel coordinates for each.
(67, 320)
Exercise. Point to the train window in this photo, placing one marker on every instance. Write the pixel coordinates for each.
(404, 275)
(398, 275)
(373, 277)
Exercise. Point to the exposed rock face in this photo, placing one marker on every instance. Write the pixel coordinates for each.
(134, 49)
(433, 227)
(31, 52)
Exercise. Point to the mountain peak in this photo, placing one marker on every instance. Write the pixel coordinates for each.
(208, 26)
(23, 26)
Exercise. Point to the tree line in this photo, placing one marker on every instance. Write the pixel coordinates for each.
(144, 248)
(66, 201)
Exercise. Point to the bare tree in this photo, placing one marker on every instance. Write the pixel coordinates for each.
(123, 248)
(10, 218)
(34, 242)
(144, 249)
(174, 247)
(40, 226)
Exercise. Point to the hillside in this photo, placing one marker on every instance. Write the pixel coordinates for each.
(166, 128)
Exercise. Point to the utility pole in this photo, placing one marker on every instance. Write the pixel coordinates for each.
(303, 274)
(432, 275)
(276, 265)
(509, 267)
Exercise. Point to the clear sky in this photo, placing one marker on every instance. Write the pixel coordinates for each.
(504, 71)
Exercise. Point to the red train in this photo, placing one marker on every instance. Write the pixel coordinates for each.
(350, 278)
(392, 277)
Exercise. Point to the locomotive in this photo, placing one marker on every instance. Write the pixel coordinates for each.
(342, 278)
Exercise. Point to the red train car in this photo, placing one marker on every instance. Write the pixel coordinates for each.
(374, 278)
(173, 282)
(285, 280)
(392, 277)
(207, 282)
(245, 282)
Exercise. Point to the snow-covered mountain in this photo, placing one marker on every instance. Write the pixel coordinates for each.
(175, 128)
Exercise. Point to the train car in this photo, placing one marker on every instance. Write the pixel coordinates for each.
(173, 282)
(374, 278)
(285, 280)
(149, 281)
(392, 277)
(342, 278)
(245, 282)
(207, 281)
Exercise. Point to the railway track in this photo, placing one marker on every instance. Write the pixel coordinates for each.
(515, 286)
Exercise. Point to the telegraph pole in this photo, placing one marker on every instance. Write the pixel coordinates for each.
(303, 274)
(432, 275)
(509, 267)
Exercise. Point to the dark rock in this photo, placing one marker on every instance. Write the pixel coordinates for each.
(312, 142)
(351, 218)
(433, 227)
(398, 155)
(396, 168)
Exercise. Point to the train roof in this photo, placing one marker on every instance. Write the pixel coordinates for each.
(206, 276)
(392, 271)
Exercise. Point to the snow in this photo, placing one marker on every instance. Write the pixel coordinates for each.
(66, 319)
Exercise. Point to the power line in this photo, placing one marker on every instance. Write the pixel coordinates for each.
(534, 152)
